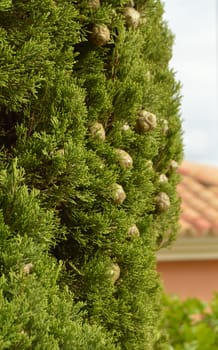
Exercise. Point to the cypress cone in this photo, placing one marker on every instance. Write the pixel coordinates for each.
(100, 34)
(97, 131)
(115, 272)
(162, 202)
(132, 17)
(146, 121)
(133, 232)
(119, 195)
(124, 158)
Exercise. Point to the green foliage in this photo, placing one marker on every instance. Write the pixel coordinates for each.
(191, 324)
(34, 313)
(56, 81)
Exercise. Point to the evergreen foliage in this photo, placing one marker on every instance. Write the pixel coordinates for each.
(81, 82)
(34, 312)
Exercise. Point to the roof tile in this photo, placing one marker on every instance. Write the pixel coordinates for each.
(199, 193)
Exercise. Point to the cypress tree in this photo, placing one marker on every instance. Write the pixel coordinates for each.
(90, 110)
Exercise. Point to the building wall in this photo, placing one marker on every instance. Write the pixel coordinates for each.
(190, 278)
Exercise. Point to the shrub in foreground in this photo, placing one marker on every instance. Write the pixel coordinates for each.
(191, 324)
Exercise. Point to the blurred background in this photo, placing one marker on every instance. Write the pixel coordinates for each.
(194, 24)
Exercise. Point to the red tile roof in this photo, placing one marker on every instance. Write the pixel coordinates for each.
(199, 192)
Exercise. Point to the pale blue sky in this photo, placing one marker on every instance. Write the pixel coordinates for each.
(194, 24)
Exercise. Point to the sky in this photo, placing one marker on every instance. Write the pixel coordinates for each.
(194, 61)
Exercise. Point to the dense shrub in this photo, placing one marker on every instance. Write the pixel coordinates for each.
(89, 109)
